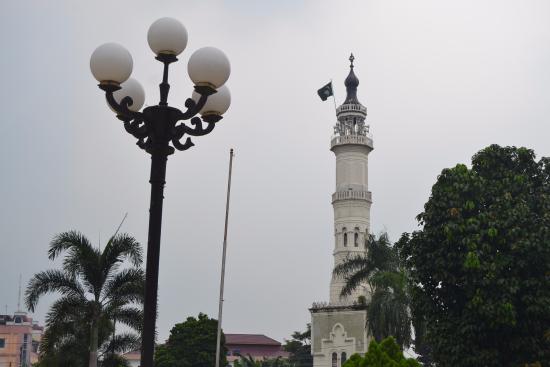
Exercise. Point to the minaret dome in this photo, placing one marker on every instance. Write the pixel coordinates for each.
(351, 83)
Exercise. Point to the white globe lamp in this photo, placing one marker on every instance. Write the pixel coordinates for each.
(208, 66)
(167, 36)
(217, 103)
(111, 63)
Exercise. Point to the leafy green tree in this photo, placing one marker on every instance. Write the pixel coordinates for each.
(95, 291)
(480, 266)
(381, 270)
(276, 362)
(299, 348)
(249, 361)
(385, 354)
(246, 361)
(191, 344)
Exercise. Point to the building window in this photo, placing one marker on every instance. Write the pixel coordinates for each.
(344, 358)
(356, 239)
(345, 236)
(334, 360)
(2, 343)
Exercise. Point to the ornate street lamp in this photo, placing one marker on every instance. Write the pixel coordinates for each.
(160, 129)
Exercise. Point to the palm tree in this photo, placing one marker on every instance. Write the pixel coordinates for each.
(94, 292)
(247, 361)
(380, 270)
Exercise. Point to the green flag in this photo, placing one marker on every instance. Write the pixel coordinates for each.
(325, 91)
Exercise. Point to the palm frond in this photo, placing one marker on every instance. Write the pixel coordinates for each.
(354, 281)
(52, 281)
(65, 241)
(121, 343)
(126, 286)
(389, 316)
(68, 307)
(82, 259)
(351, 265)
(129, 316)
(119, 248)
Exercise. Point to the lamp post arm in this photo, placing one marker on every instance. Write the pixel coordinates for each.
(136, 128)
(193, 107)
(121, 108)
(198, 128)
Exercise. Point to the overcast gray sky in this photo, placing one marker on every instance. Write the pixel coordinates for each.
(440, 79)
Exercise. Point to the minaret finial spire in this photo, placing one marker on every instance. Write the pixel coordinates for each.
(351, 83)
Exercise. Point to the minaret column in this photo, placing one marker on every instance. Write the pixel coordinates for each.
(352, 199)
(351, 203)
(338, 328)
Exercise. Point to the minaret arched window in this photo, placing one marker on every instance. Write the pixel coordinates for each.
(345, 236)
(343, 358)
(334, 360)
(356, 237)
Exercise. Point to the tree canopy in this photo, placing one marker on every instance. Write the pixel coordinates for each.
(299, 348)
(95, 291)
(387, 353)
(191, 343)
(480, 266)
(381, 270)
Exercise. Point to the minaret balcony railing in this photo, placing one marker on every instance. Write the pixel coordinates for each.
(327, 306)
(352, 195)
(351, 107)
(351, 139)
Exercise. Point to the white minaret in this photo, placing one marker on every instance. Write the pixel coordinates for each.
(338, 328)
(351, 201)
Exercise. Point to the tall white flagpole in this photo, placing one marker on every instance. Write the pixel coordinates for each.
(219, 336)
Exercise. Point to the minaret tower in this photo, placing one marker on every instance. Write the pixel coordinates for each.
(338, 327)
(351, 201)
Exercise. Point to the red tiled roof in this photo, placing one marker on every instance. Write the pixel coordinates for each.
(256, 339)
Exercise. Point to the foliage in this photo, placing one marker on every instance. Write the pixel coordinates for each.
(94, 292)
(246, 361)
(299, 348)
(385, 354)
(249, 361)
(380, 269)
(191, 344)
(480, 266)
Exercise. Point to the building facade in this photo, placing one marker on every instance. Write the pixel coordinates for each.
(257, 346)
(133, 357)
(338, 327)
(19, 340)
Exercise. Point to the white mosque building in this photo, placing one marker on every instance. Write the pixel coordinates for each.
(338, 327)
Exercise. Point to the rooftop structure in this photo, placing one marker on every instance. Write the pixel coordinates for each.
(258, 346)
(19, 340)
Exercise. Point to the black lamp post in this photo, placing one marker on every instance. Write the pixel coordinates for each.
(160, 129)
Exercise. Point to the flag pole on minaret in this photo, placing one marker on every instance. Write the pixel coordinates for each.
(333, 96)
(219, 335)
